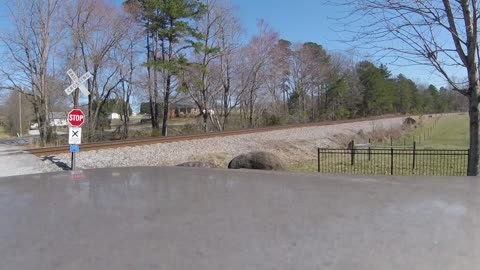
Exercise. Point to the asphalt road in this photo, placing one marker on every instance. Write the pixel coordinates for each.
(192, 218)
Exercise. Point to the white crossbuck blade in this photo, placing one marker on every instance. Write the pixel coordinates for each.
(78, 82)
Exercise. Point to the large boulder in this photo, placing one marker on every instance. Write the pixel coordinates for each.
(409, 121)
(257, 161)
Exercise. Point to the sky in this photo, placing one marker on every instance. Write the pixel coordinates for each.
(299, 21)
(302, 21)
(315, 21)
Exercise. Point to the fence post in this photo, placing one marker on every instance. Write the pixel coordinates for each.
(414, 150)
(468, 160)
(318, 159)
(391, 160)
(369, 149)
(353, 152)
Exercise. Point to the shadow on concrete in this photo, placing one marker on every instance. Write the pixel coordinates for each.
(57, 162)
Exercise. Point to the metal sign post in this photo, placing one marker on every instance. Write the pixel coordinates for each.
(74, 148)
(76, 117)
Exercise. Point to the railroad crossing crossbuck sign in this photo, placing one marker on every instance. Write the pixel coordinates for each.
(78, 82)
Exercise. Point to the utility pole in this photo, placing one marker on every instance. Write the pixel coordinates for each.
(20, 110)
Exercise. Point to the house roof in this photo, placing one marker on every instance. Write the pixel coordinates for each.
(183, 105)
(58, 115)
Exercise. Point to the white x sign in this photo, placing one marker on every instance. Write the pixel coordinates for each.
(74, 135)
(78, 82)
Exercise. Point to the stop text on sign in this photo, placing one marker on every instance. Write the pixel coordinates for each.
(76, 118)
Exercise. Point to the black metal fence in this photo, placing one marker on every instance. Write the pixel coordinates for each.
(394, 161)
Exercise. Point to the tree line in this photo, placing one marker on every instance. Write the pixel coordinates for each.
(192, 51)
(442, 35)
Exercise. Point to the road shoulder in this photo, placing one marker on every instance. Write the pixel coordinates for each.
(13, 161)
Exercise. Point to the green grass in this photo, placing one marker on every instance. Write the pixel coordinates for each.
(448, 132)
(303, 166)
(179, 120)
(4, 134)
(379, 161)
(379, 164)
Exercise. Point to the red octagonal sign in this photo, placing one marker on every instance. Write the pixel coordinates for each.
(76, 118)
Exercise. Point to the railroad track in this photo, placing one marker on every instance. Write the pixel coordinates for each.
(45, 151)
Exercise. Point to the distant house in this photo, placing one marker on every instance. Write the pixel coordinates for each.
(181, 109)
(146, 118)
(33, 126)
(58, 119)
(112, 116)
(177, 109)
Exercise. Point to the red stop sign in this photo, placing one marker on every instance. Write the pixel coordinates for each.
(76, 118)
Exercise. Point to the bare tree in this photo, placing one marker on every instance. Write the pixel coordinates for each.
(146, 16)
(96, 31)
(441, 34)
(127, 55)
(169, 25)
(228, 43)
(198, 82)
(309, 69)
(29, 49)
(208, 80)
(254, 58)
(13, 109)
(279, 73)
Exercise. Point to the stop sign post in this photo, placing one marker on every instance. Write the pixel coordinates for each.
(76, 118)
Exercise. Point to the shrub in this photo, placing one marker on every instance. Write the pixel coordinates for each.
(271, 119)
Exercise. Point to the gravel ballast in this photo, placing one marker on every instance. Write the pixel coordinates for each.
(290, 145)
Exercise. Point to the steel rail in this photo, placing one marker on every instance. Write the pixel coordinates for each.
(45, 151)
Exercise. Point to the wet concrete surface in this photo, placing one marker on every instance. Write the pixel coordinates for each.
(195, 218)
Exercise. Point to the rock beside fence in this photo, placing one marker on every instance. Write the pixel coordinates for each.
(257, 161)
(409, 121)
